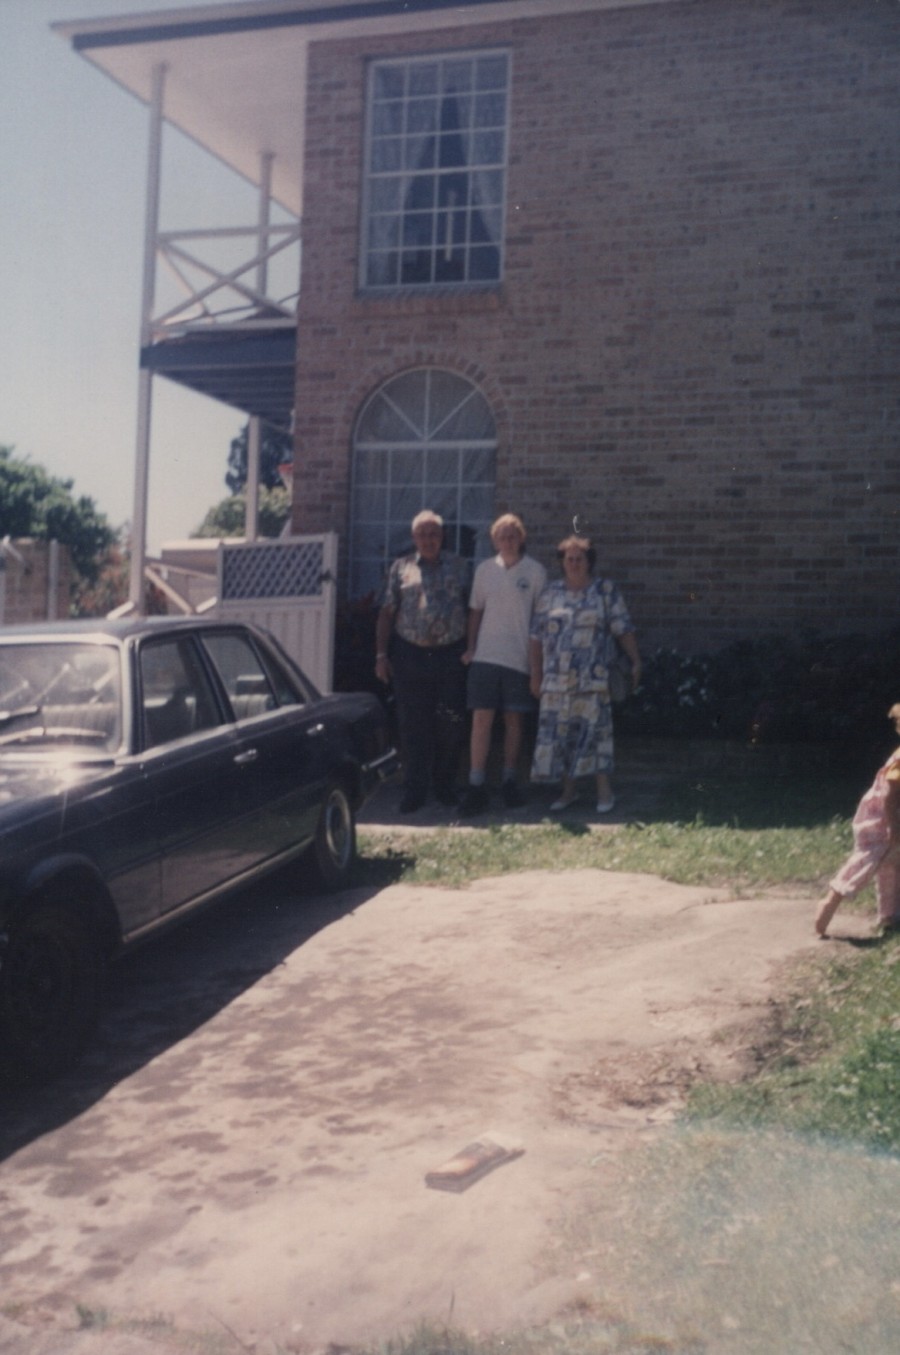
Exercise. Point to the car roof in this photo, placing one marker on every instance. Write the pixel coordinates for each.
(119, 629)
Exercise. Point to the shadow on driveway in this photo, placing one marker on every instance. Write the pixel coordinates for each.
(162, 992)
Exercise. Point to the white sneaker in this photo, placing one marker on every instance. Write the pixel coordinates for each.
(605, 806)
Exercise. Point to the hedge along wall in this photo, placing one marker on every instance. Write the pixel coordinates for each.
(696, 345)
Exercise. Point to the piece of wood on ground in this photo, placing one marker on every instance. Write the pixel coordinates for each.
(472, 1162)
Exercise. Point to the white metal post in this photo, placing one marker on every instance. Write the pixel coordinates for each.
(53, 580)
(145, 384)
(254, 432)
(251, 488)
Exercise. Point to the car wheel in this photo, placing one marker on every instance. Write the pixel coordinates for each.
(51, 984)
(334, 849)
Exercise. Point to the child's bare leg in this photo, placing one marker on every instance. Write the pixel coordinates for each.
(826, 910)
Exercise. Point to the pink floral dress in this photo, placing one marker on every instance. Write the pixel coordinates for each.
(876, 846)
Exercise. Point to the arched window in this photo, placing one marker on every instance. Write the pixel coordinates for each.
(425, 439)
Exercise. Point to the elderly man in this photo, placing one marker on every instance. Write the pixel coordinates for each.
(420, 638)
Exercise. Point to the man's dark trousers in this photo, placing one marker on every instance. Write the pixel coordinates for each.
(430, 688)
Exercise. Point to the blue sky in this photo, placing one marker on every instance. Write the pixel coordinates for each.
(73, 151)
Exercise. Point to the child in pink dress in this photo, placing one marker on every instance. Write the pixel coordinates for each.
(876, 848)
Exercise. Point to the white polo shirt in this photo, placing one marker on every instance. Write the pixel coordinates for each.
(506, 597)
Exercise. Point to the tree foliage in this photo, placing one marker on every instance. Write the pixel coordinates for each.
(35, 504)
(276, 447)
(228, 517)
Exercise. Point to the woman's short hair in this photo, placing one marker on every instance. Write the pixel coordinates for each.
(426, 515)
(509, 520)
(583, 543)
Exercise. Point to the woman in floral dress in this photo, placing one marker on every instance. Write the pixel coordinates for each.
(576, 622)
(876, 848)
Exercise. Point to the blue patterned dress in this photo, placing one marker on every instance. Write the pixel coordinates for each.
(576, 630)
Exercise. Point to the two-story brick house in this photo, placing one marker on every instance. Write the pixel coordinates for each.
(633, 262)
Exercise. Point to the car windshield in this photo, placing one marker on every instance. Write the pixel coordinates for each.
(59, 695)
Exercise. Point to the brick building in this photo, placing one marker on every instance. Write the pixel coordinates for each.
(633, 262)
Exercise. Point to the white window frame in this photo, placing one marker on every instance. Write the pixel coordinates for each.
(442, 229)
(466, 505)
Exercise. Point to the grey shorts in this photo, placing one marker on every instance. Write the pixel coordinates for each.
(493, 687)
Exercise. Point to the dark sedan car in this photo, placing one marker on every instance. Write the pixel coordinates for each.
(147, 767)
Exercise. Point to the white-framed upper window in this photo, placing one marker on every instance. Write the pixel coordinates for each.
(425, 439)
(435, 171)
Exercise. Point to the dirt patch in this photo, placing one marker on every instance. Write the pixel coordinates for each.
(244, 1154)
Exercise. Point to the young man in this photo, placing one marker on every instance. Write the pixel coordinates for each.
(504, 592)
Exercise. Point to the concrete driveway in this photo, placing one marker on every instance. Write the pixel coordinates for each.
(239, 1163)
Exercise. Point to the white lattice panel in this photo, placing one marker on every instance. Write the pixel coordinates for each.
(288, 587)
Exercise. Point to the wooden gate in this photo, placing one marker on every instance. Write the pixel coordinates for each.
(288, 586)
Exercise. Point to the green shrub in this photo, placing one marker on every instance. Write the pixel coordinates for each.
(803, 688)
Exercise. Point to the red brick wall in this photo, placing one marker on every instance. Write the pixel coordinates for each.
(696, 345)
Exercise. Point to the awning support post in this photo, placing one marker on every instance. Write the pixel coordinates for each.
(145, 384)
(254, 432)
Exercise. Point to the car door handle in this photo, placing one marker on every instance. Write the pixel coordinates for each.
(315, 729)
(242, 759)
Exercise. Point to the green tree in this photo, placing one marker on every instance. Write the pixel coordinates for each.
(99, 596)
(228, 517)
(276, 446)
(35, 504)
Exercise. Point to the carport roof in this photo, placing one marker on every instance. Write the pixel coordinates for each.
(253, 372)
(236, 73)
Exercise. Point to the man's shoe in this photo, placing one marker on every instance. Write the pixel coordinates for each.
(475, 801)
(513, 798)
(410, 801)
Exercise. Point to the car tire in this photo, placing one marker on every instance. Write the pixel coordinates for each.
(333, 852)
(51, 988)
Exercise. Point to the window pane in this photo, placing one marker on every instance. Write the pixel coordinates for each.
(490, 110)
(389, 82)
(488, 148)
(458, 75)
(453, 190)
(176, 697)
(419, 152)
(424, 77)
(442, 467)
(417, 229)
(387, 119)
(421, 115)
(406, 468)
(479, 465)
(384, 195)
(420, 193)
(382, 270)
(476, 502)
(487, 187)
(416, 267)
(384, 233)
(491, 72)
(384, 423)
(419, 121)
(453, 150)
(386, 154)
(371, 463)
(370, 502)
(484, 263)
